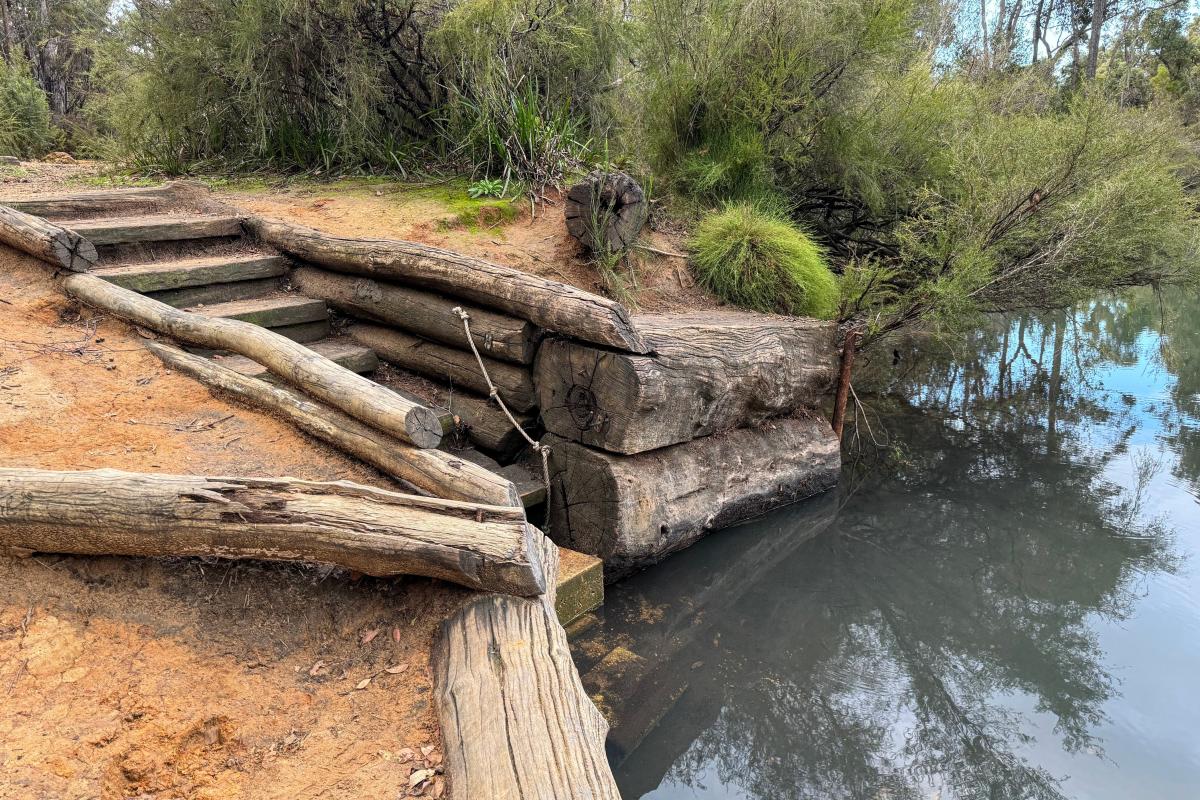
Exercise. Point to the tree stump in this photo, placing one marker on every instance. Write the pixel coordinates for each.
(606, 212)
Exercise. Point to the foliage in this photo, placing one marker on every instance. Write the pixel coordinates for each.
(759, 260)
(524, 82)
(25, 129)
(488, 187)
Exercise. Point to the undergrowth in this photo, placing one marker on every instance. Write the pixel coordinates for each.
(758, 260)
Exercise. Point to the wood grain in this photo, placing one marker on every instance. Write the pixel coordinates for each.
(374, 531)
(516, 722)
(305, 369)
(633, 511)
(548, 304)
(57, 246)
(709, 372)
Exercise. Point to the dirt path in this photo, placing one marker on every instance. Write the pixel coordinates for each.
(187, 678)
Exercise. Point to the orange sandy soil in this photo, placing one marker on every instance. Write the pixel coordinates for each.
(188, 678)
(536, 242)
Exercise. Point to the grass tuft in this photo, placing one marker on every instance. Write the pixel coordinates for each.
(759, 260)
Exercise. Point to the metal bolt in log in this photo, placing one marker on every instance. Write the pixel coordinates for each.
(606, 212)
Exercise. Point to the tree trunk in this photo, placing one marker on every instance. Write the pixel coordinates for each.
(423, 313)
(373, 531)
(429, 471)
(56, 246)
(484, 423)
(516, 722)
(710, 372)
(632, 511)
(359, 397)
(446, 363)
(548, 304)
(1093, 54)
(606, 213)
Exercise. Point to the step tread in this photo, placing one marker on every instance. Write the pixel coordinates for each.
(156, 276)
(346, 353)
(271, 311)
(155, 228)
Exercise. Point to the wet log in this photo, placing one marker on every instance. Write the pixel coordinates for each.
(548, 304)
(514, 383)
(44, 240)
(710, 372)
(359, 397)
(516, 722)
(632, 511)
(426, 314)
(606, 212)
(431, 472)
(373, 531)
(108, 201)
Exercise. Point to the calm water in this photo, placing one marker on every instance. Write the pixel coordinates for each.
(1002, 601)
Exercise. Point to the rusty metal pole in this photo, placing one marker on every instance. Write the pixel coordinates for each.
(843, 385)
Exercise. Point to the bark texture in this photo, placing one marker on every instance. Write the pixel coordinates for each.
(424, 313)
(548, 304)
(514, 383)
(44, 240)
(377, 532)
(516, 722)
(606, 212)
(359, 397)
(709, 372)
(432, 472)
(632, 511)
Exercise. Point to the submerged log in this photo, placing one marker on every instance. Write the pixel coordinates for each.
(424, 313)
(632, 511)
(438, 361)
(710, 372)
(516, 722)
(373, 531)
(44, 240)
(548, 304)
(432, 472)
(359, 397)
(606, 212)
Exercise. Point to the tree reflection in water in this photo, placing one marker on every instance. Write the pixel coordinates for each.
(865, 646)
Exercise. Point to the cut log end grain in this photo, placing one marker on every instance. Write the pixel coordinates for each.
(46, 241)
(606, 212)
(709, 372)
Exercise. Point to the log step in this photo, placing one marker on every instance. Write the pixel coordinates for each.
(530, 486)
(274, 311)
(341, 352)
(157, 276)
(154, 228)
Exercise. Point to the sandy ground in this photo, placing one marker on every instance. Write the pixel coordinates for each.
(188, 678)
(537, 243)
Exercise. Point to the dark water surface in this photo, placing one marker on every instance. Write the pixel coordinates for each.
(1003, 601)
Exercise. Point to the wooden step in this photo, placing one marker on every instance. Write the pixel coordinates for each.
(340, 351)
(157, 276)
(274, 311)
(530, 486)
(215, 293)
(154, 228)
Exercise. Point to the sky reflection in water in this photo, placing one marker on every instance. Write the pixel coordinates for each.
(1001, 602)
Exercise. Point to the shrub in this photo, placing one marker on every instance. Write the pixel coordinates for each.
(759, 260)
(24, 113)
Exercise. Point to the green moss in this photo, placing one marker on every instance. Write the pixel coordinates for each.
(759, 260)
